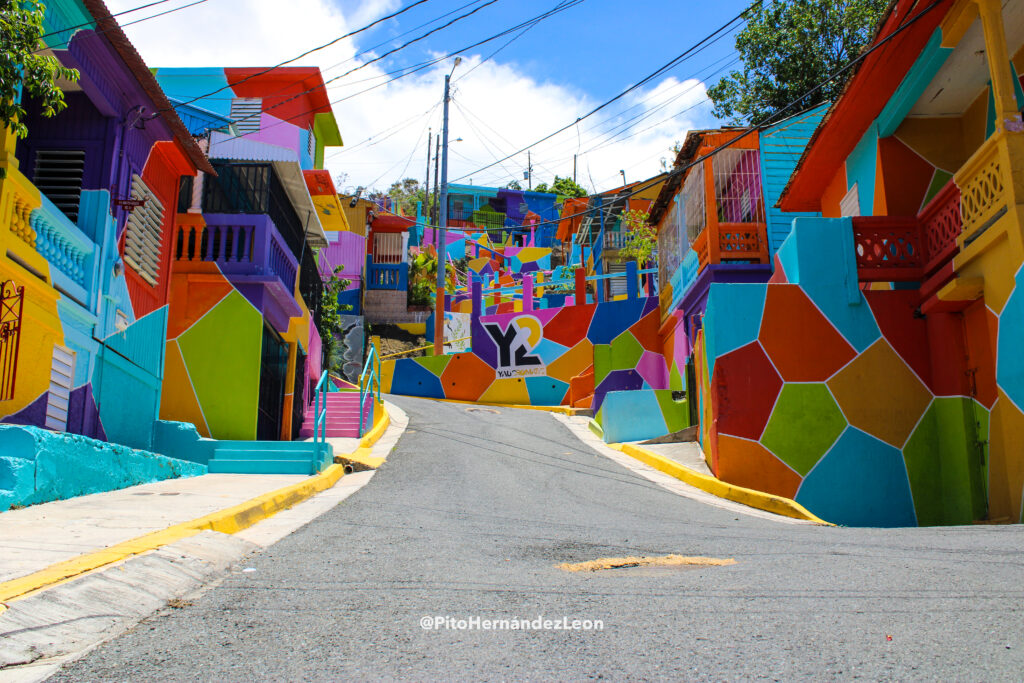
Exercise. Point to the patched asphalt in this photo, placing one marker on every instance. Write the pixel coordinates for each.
(469, 518)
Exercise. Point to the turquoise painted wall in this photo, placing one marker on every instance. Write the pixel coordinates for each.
(38, 466)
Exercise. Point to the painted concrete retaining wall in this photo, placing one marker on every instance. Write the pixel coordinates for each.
(38, 466)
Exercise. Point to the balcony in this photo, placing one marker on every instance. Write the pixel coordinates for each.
(390, 276)
(248, 251)
(732, 242)
(65, 247)
(909, 249)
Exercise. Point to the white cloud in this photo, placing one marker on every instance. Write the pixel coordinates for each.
(506, 109)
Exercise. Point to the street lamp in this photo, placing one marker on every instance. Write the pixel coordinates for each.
(623, 172)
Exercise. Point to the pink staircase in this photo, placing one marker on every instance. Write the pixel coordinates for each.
(342, 415)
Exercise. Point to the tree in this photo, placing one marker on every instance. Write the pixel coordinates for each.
(642, 237)
(563, 187)
(24, 70)
(329, 316)
(513, 185)
(788, 47)
(404, 195)
(667, 162)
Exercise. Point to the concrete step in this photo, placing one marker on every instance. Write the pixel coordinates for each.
(238, 454)
(226, 466)
(351, 432)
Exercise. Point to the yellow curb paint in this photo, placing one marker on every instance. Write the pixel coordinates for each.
(229, 521)
(562, 410)
(716, 487)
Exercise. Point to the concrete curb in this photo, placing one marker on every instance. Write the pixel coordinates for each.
(561, 410)
(228, 521)
(716, 487)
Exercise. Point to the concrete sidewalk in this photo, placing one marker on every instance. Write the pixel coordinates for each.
(33, 538)
(38, 537)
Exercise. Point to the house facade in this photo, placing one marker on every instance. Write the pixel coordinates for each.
(87, 216)
(243, 349)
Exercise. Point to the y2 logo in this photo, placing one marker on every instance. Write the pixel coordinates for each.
(516, 341)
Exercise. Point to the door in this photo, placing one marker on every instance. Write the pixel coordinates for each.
(273, 369)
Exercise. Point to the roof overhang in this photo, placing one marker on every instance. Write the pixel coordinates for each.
(286, 165)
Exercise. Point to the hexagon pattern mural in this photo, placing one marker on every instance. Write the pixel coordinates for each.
(855, 417)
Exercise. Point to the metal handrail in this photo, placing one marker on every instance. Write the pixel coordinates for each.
(369, 379)
(554, 283)
(320, 414)
(421, 348)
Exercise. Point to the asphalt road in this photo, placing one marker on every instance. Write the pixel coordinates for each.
(469, 517)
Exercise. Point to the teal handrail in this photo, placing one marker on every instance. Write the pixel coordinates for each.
(369, 380)
(555, 283)
(320, 414)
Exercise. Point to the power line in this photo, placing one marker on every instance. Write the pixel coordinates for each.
(310, 51)
(96, 21)
(686, 54)
(779, 114)
(562, 6)
(116, 26)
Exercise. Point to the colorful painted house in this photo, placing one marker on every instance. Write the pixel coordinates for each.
(243, 350)
(592, 232)
(874, 377)
(87, 218)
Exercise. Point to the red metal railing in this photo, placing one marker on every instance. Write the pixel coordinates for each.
(908, 249)
(11, 303)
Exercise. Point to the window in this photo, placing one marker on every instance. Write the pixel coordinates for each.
(144, 232)
(62, 374)
(850, 204)
(58, 175)
(246, 113)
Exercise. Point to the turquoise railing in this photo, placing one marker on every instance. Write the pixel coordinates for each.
(369, 383)
(320, 415)
(554, 283)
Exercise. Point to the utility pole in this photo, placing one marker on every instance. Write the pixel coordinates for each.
(426, 186)
(529, 171)
(437, 178)
(573, 168)
(442, 250)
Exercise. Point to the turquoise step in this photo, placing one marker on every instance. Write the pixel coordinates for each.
(246, 454)
(218, 466)
(265, 446)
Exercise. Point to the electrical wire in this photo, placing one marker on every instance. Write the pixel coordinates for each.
(779, 114)
(116, 26)
(309, 52)
(90, 24)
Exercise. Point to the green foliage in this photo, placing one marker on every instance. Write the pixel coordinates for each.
(563, 187)
(329, 317)
(405, 194)
(563, 273)
(642, 238)
(787, 48)
(22, 69)
(423, 278)
(513, 185)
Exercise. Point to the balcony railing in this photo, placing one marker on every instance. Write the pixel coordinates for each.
(747, 242)
(908, 249)
(615, 240)
(392, 276)
(239, 244)
(62, 244)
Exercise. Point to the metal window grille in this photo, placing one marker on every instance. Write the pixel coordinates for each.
(387, 247)
(694, 203)
(246, 113)
(671, 242)
(738, 186)
(11, 301)
(58, 174)
(311, 144)
(143, 240)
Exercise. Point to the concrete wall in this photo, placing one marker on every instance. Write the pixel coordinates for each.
(38, 466)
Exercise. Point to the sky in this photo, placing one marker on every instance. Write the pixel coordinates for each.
(507, 94)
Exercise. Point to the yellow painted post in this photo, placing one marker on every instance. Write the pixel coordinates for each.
(1007, 115)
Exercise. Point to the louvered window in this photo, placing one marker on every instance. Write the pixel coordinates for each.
(144, 231)
(311, 144)
(850, 204)
(58, 175)
(245, 112)
(58, 398)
